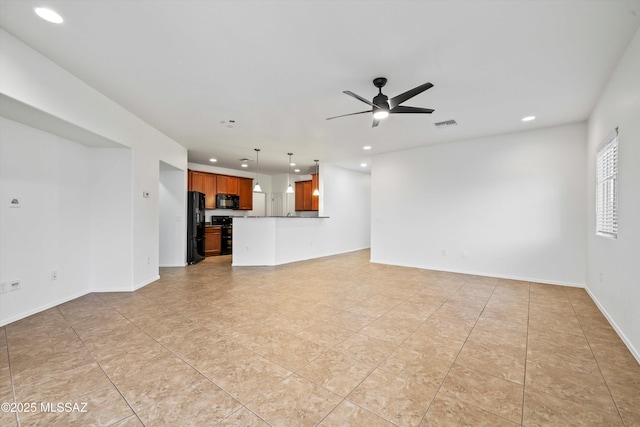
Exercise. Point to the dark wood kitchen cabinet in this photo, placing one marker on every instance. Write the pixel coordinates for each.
(245, 191)
(227, 184)
(303, 196)
(305, 200)
(212, 242)
(211, 184)
(196, 181)
(205, 183)
(314, 185)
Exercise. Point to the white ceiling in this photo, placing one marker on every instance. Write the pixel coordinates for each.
(278, 68)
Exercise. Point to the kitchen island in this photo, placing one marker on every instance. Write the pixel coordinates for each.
(259, 241)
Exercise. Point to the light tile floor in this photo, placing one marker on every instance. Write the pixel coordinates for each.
(336, 341)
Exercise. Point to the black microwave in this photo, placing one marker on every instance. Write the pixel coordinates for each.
(227, 201)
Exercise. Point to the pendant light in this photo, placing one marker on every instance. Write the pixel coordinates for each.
(316, 191)
(289, 188)
(257, 188)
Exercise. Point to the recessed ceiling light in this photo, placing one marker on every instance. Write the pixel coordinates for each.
(48, 15)
(213, 160)
(296, 170)
(366, 147)
(528, 118)
(244, 165)
(364, 165)
(292, 164)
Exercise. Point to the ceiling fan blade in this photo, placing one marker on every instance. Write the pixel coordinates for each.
(350, 114)
(375, 123)
(397, 100)
(403, 109)
(358, 97)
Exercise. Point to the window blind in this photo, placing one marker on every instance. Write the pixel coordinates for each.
(607, 186)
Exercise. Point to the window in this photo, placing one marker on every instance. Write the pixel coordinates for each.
(607, 186)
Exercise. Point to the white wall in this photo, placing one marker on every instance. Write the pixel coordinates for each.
(506, 206)
(49, 232)
(172, 217)
(618, 293)
(110, 204)
(41, 86)
(345, 197)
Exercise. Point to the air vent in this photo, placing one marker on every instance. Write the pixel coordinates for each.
(446, 123)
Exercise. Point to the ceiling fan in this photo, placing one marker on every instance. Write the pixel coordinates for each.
(383, 106)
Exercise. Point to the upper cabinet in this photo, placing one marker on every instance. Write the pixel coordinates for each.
(305, 200)
(209, 191)
(314, 185)
(227, 184)
(211, 184)
(195, 181)
(245, 191)
(300, 196)
(204, 183)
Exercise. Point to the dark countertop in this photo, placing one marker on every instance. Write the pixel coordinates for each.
(305, 217)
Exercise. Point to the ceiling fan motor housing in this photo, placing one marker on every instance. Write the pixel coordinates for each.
(381, 100)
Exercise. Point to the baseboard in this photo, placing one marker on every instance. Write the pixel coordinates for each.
(57, 302)
(614, 325)
(634, 351)
(172, 265)
(106, 290)
(44, 307)
(143, 284)
(485, 274)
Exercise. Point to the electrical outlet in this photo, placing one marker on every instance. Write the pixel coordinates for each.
(54, 275)
(14, 285)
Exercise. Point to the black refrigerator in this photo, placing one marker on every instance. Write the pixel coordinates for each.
(195, 227)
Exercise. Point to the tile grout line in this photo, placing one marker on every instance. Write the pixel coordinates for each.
(382, 361)
(348, 357)
(242, 405)
(526, 354)
(604, 378)
(178, 357)
(13, 388)
(461, 347)
(159, 301)
(101, 368)
(110, 307)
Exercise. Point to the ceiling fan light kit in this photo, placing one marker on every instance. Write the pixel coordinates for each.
(381, 114)
(382, 106)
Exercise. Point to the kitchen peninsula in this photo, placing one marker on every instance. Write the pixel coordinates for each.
(260, 241)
